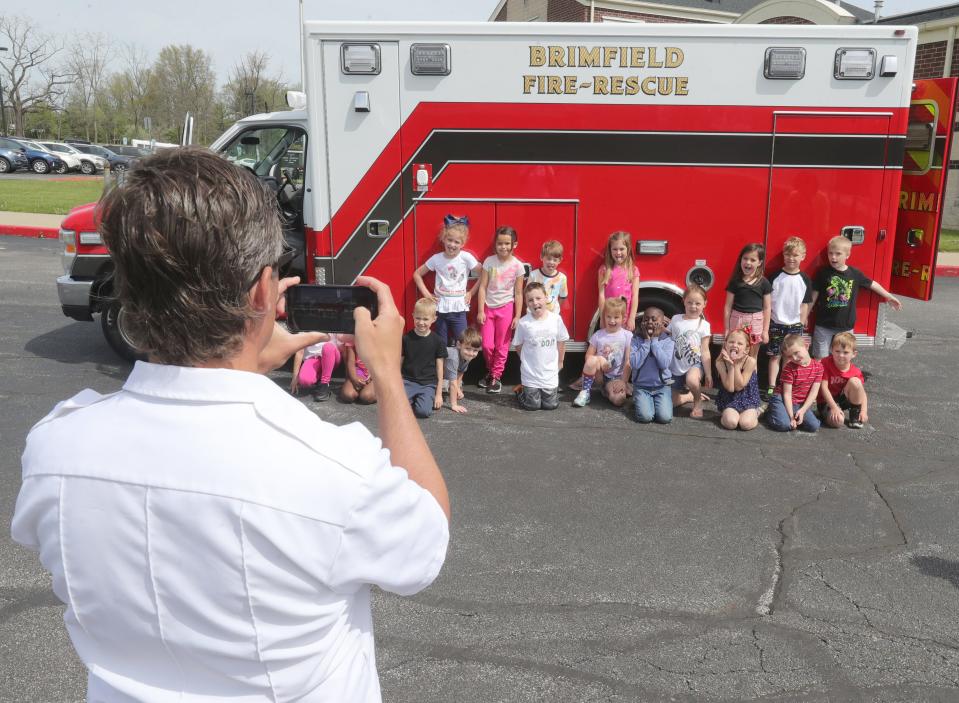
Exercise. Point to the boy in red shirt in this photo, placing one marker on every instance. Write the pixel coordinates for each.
(797, 389)
(842, 385)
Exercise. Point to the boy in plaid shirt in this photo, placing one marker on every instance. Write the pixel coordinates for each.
(797, 389)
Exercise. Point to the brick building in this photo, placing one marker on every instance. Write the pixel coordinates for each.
(937, 55)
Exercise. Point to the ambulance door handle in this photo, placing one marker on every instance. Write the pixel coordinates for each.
(378, 229)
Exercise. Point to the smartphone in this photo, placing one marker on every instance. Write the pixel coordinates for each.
(312, 308)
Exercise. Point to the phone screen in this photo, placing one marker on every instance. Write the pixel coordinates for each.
(312, 308)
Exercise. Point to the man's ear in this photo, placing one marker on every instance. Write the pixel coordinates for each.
(263, 292)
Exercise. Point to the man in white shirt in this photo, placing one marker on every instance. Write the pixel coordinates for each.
(212, 538)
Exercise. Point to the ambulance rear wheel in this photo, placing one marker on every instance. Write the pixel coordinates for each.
(670, 303)
(111, 322)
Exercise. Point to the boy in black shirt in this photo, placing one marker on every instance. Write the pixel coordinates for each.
(423, 354)
(835, 289)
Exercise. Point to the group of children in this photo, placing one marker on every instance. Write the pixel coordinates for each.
(661, 364)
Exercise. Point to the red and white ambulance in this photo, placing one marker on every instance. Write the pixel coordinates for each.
(697, 139)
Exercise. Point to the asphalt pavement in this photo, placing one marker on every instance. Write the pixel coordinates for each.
(593, 559)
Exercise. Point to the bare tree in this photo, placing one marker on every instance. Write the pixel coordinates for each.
(88, 60)
(137, 81)
(30, 75)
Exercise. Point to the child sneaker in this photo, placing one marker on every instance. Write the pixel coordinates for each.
(494, 386)
(582, 399)
(321, 392)
(855, 421)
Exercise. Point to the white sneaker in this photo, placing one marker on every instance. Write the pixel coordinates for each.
(582, 399)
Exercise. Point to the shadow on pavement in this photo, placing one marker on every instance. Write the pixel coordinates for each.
(79, 343)
(940, 568)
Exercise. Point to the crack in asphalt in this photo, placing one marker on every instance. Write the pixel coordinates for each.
(875, 486)
(770, 599)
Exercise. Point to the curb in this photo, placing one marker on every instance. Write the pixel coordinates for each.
(35, 232)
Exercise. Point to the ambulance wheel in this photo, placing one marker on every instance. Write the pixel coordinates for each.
(670, 303)
(111, 322)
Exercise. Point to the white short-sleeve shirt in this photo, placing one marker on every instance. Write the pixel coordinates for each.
(539, 357)
(213, 539)
(452, 279)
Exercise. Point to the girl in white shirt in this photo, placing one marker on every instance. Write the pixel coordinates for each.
(692, 366)
(452, 267)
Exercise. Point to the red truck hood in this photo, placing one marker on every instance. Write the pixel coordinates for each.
(82, 218)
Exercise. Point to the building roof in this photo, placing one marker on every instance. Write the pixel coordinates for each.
(930, 14)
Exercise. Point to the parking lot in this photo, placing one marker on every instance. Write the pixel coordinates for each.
(593, 559)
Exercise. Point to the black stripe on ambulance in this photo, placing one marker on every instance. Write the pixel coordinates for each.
(445, 147)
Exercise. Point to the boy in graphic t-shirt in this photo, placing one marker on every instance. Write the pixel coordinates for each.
(835, 289)
(540, 342)
(842, 386)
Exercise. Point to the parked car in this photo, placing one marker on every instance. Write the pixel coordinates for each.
(127, 150)
(68, 161)
(88, 163)
(41, 160)
(12, 156)
(118, 162)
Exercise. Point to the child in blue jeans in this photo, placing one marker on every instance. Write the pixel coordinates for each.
(649, 359)
(791, 406)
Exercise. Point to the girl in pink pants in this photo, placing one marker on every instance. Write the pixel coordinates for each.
(500, 305)
(313, 367)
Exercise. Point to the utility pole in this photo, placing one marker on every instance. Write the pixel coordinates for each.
(3, 107)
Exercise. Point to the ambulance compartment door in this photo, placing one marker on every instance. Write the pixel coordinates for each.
(362, 119)
(924, 169)
(830, 175)
(534, 220)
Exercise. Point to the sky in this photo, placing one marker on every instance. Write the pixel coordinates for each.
(229, 29)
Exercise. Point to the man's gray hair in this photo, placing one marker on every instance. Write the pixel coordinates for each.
(189, 233)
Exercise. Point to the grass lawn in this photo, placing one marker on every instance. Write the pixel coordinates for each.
(53, 197)
(949, 240)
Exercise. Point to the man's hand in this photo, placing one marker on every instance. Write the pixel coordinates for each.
(379, 342)
(283, 344)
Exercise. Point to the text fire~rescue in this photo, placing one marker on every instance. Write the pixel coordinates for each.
(668, 57)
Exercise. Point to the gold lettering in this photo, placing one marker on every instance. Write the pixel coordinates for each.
(632, 85)
(674, 56)
(682, 85)
(600, 85)
(569, 85)
(556, 57)
(616, 85)
(554, 85)
(609, 53)
(637, 57)
(530, 81)
(588, 57)
(537, 56)
(648, 86)
(652, 62)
